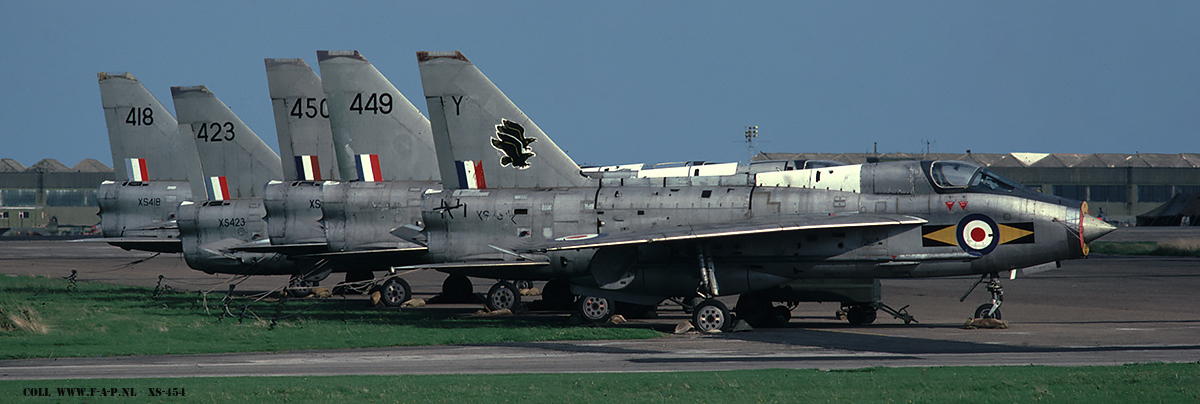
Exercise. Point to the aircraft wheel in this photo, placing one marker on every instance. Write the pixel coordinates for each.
(781, 315)
(595, 310)
(557, 295)
(502, 295)
(753, 309)
(862, 314)
(761, 313)
(522, 285)
(394, 292)
(983, 309)
(456, 286)
(711, 315)
(298, 287)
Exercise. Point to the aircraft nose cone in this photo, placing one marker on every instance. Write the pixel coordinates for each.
(1094, 228)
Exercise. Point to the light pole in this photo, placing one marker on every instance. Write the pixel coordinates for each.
(751, 135)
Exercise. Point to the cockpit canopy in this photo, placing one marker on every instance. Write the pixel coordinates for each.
(950, 175)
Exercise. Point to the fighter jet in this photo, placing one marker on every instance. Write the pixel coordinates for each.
(293, 205)
(385, 160)
(306, 143)
(385, 163)
(155, 168)
(235, 164)
(643, 240)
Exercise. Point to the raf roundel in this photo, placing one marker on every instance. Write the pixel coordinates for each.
(978, 234)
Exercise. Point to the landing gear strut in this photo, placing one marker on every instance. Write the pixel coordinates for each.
(988, 310)
(710, 314)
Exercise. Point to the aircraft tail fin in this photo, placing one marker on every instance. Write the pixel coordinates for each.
(378, 134)
(235, 162)
(483, 139)
(143, 135)
(301, 121)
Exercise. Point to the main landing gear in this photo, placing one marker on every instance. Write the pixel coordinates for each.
(394, 291)
(503, 295)
(867, 313)
(760, 312)
(595, 310)
(710, 315)
(457, 289)
(988, 310)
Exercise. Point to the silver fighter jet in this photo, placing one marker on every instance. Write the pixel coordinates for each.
(514, 203)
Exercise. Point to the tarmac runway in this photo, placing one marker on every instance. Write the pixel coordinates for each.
(1104, 310)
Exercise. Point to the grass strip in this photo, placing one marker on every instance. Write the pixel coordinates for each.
(1145, 383)
(1169, 248)
(48, 318)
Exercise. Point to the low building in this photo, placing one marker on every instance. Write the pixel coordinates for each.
(31, 196)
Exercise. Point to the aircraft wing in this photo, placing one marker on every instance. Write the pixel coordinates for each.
(477, 265)
(170, 225)
(376, 253)
(774, 224)
(165, 245)
(265, 246)
(496, 269)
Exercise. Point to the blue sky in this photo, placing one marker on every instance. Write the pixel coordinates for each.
(619, 82)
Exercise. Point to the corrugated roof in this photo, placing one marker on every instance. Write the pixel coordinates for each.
(1029, 159)
(1191, 158)
(48, 166)
(1165, 160)
(11, 166)
(91, 166)
(1008, 160)
(1049, 161)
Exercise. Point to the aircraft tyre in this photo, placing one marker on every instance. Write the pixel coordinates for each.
(457, 287)
(556, 295)
(861, 314)
(595, 310)
(394, 291)
(502, 295)
(761, 313)
(522, 285)
(298, 287)
(983, 309)
(711, 316)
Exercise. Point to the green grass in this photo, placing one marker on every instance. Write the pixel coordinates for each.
(1171, 248)
(43, 318)
(1151, 383)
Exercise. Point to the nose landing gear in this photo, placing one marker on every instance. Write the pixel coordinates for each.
(988, 310)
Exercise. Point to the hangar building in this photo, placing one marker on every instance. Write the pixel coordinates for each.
(31, 196)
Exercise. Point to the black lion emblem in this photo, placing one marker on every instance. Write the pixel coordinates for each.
(510, 139)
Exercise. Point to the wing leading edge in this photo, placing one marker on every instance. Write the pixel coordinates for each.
(774, 224)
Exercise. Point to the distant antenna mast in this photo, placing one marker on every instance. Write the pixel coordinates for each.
(751, 136)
